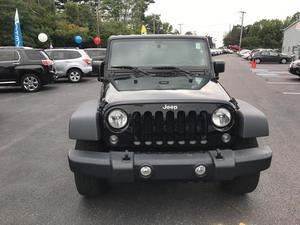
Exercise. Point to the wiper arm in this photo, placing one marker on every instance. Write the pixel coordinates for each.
(126, 77)
(188, 74)
(132, 68)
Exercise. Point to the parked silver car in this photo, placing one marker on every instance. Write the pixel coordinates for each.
(71, 63)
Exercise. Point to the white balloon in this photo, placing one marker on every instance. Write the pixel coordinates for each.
(43, 37)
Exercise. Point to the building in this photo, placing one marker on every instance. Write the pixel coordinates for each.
(291, 39)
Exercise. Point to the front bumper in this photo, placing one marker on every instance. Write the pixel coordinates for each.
(170, 166)
(48, 77)
(87, 70)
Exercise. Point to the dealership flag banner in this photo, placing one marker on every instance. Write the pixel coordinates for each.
(17, 31)
(143, 29)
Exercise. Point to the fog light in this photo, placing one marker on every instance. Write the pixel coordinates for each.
(226, 138)
(113, 139)
(200, 170)
(146, 171)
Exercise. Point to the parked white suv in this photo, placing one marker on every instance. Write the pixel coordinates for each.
(71, 63)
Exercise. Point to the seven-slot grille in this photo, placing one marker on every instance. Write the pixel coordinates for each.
(170, 128)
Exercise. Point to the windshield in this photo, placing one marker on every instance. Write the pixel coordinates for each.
(159, 64)
(159, 52)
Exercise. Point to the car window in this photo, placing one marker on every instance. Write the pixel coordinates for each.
(265, 53)
(56, 55)
(35, 55)
(273, 54)
(72, 55)
(9, 55)
(96, 53)
(61, 55)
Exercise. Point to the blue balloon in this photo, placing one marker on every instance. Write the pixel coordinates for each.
(78, 39)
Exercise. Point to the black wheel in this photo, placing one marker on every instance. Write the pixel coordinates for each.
(241, 185)
(258, 61)
(283, 61)
(90, 186)
(86, 185)
(74, 75)
(30, 83)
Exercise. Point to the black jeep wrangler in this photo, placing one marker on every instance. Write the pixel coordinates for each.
(162, 115)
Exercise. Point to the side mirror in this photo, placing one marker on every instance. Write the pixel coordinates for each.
(101, 71)
(219, 67)
(98, 68)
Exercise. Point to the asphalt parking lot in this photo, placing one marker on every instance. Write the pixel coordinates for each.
(38, 188)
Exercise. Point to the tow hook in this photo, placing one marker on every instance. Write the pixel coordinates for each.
(219, 154)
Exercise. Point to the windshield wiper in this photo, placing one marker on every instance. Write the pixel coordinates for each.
(188, 74)
(178, 69)
(126, 77)
(132, 68)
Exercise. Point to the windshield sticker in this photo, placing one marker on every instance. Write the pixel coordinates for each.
(198, 45)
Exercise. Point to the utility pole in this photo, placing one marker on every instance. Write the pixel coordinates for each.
(154, 25)
(97, 18)
(180, 25)
(242, 27)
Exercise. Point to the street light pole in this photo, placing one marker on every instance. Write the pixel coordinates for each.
(180, 25)
(154, 25)
(242, 27)
(97, 18)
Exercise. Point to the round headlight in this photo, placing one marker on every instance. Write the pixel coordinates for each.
(221, 117)
(117, 119)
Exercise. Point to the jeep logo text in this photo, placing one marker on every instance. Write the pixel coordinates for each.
(170, 107)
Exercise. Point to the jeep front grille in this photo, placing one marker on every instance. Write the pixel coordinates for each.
(169, 128)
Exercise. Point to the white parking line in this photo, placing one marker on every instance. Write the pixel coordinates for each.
(291, 93)
(288, 83)
(268, 75)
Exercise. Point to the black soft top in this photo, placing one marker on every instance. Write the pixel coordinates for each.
(156, 36)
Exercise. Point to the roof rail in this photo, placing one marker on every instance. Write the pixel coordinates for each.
(14, 47)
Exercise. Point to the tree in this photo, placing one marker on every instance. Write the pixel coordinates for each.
(78, 18)
(160, 27)
(211, 42)
(261, 34)
(232, 38)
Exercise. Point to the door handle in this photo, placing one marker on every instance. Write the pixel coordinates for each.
(16, 63)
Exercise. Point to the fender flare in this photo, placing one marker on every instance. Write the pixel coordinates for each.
(252, 122)
(84, 123)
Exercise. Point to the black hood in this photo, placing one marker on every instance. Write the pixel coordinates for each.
(211, 92)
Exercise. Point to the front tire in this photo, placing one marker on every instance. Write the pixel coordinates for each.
(241, 185)
(30, 83)
(283, 61)
(258, 61)
(90, 186)
(86, 185)
(74, 75)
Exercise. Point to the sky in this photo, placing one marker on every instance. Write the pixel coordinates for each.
(216, 17)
